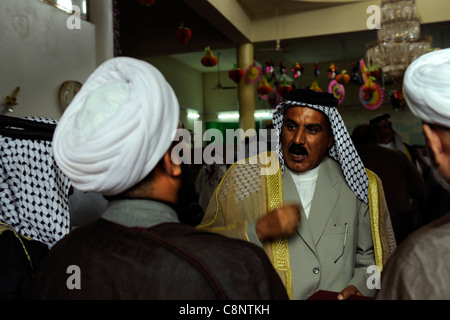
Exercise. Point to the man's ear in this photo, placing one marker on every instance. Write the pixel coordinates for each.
(169, 166)
(330, 142)
(434, 144)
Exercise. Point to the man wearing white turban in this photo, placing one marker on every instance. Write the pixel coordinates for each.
(420, 267)
(115, 138)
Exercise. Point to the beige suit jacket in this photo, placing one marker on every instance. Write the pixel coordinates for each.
(336, 218)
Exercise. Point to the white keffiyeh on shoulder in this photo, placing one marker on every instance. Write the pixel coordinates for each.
(34, 193)
(427, 87)
(117, 128)
(343, 150)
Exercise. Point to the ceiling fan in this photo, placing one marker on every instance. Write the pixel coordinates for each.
(219, 86)
(278, 47)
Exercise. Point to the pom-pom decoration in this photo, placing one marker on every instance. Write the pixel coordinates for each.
(397, 99)
(264, 88)
(183, 34)
(316, 70)
(253, 74)
(337, 90)
(297, 69)
(374, 72)
(270, 69)
(209, 60)
(236, 74)
(282, 67)
(332, 71)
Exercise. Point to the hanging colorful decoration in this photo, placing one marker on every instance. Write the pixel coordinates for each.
(355, 74)
(282, 67)
(343, 77)
(284, 88)
(236, 74)
(297, 69)
(270, 69)
(371, 94)
(332, 71)
(374, 72)
(316, 70)
(209, 60)
(183, 34)
(253, 74)
(264, 87)
(147, 3)
(273, 99)
(315, 86)
(397, 99)
(337, 90)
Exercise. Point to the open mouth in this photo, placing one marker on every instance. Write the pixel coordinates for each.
(298, 152)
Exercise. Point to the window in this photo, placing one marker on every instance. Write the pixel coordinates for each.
(67, 6)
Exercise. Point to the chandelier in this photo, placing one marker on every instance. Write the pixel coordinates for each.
(399, 41)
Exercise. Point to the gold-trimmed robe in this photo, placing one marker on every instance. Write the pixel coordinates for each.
(248, 191)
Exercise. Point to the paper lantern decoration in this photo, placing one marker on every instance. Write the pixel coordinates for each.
(183, 34)
(371, 95)
(315, 86)
(337, 90)
(236, 74)
(284, 89)
(264, 87)
(209, 60)
(253, 74)
(147, 3)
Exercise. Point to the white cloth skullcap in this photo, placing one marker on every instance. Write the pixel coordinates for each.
(117, 127)
(427, 87)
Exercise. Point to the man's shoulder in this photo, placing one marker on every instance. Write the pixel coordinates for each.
(190, 236)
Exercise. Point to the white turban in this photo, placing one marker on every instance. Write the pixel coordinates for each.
(117, 128)
(427, 87)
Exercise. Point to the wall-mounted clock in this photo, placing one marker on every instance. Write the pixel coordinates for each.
(67, 92)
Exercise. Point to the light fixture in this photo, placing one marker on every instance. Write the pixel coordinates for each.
(399, 41)
(259, 114)
(263, 115)
(228, 116)
(193, 115)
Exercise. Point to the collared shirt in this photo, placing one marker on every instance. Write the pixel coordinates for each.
(143, 213)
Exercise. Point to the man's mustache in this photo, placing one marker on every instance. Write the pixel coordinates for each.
(298, 149)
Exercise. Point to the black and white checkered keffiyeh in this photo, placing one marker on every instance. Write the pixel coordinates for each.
(33, 191)
(343, 150)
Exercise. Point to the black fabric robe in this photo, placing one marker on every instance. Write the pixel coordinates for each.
(167, 261)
